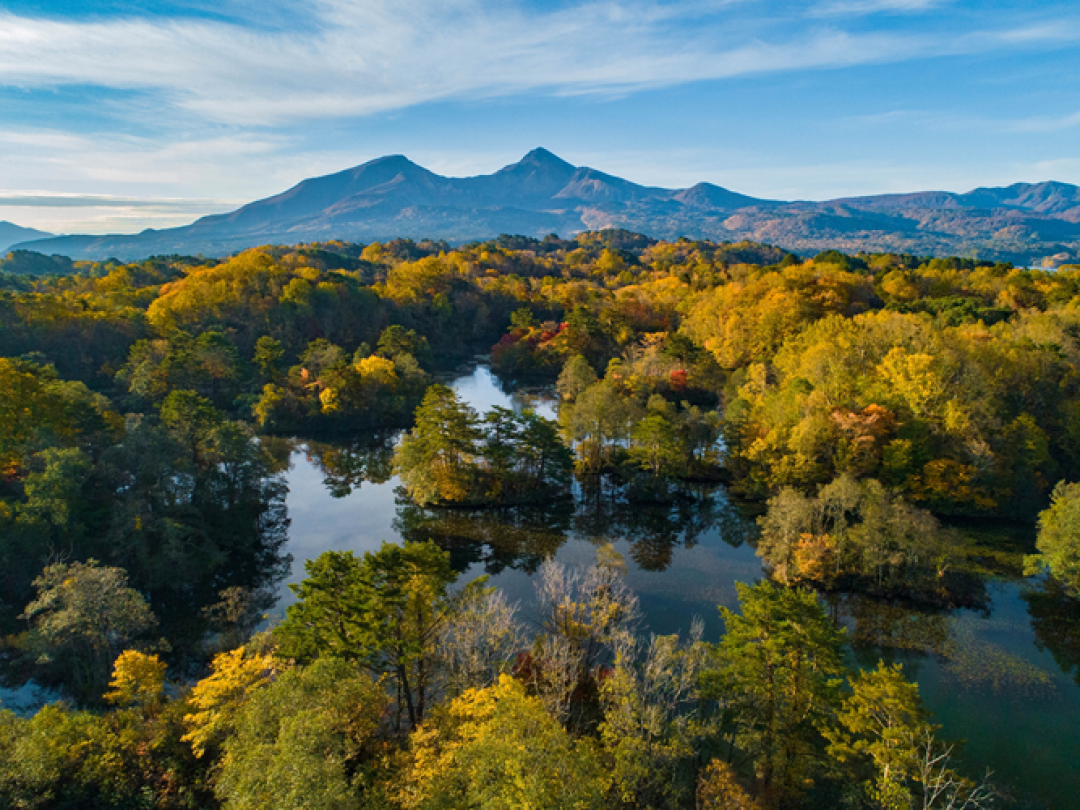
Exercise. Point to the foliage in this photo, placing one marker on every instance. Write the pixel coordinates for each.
(451, 456)
(777, 674)
(311, 739)
(856, 533)
(383, 611)
(719, 789)
(499, 748)
(883, 721)
(138, 680)
(1059, 538)
(84, 616)
(217, 699)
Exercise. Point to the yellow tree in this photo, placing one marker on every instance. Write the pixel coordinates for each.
(498, 749)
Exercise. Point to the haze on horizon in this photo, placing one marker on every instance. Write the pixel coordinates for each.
(131, 114)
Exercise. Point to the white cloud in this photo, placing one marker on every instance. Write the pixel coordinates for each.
(843, 8)
(357, 57)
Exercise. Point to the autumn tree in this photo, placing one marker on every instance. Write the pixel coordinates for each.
(436, 460)
(499, 748)
(883, 723)
(309, 739)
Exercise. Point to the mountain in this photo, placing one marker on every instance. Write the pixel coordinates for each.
(12, 234)
(393, 197)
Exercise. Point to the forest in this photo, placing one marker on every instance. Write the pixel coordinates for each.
(861, 408)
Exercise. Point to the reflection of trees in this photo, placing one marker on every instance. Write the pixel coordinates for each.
(878, 627)
(1055, 618)
(346, 466)
(520, 538)
(654, 530)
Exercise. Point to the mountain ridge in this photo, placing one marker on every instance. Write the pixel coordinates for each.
(12, 234)
(391, 197)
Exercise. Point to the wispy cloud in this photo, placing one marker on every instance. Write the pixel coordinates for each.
(357, 57)
(847, 8)
(22, 199)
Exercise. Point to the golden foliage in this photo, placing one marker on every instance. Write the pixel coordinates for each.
(138, 679)
(218, 698)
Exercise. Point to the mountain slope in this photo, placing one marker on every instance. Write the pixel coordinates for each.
(393, 197)
(12, 234)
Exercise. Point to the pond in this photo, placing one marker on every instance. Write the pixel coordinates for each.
(999, 677)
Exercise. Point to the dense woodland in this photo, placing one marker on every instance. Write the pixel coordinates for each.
(862, 405)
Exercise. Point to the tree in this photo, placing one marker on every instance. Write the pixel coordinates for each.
(719, 789)
(138, 680)
(657, 446)
(479, 642)
(1059, 538)
(383, 611)
(777, 676)
(308, 740)
(883, 721)
(190, 418)
(218, 698)
(542, 456)
(597, 422)
(436, 460)
(268, 353)
(82, 619)
(396, 341)
(576, 376)
(498, 749)
(653, 729)
(585, 616)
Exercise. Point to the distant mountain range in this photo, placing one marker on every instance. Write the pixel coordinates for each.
(393, 197)
(12, 234)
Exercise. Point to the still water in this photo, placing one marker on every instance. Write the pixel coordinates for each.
(989, 675)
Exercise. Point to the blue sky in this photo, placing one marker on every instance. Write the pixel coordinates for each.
(116, 116)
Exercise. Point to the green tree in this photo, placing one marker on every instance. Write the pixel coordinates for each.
(268, 354)
(396, 341)
(577, 375)
(597, 423)
(437, 459)
(542, 455)
(883, 721)
(309, 740)
(658, 448)
(383, 611)
(778, 671)
(83, 618)
(191, 419)
(1059, 538)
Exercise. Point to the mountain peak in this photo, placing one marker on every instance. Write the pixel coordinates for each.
(542, 157)
(387, 161)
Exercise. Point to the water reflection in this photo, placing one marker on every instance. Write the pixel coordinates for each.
(346, 466)
(522, 537)
(1055, 618)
